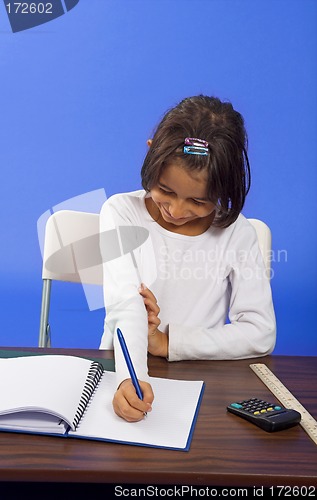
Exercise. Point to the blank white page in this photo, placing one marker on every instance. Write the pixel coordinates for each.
(167, 425)
(51, 383)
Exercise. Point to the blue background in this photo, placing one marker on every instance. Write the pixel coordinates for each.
(80, 95)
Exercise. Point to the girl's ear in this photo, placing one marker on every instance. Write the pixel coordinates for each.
(149, 142)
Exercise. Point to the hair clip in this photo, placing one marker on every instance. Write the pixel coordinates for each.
(194, 146)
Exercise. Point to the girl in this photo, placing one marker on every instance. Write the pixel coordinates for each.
(186, 279)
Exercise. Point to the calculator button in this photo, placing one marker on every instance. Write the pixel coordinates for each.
(277, 408)
(263, 411)
(270, 408)
(236, 405)
(256, 413)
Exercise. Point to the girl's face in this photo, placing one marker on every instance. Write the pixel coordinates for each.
(181, 199)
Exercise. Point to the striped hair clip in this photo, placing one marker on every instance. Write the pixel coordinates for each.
(194, 146)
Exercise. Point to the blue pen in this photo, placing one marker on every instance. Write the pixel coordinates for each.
(128, 360)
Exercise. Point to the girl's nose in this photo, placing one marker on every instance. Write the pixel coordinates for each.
(178, 210)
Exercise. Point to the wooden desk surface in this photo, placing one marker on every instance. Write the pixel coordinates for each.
(225, 450)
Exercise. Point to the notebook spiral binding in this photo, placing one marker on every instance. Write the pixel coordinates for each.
(93, 378)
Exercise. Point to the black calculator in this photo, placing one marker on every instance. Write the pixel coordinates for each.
(269, 416)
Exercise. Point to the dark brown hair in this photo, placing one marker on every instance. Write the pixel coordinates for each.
(227, 163)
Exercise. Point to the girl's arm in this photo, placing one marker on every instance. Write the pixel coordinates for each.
(251, 329)
(124, 310)
(250, 332)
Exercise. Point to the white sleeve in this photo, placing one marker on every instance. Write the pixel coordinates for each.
(251, 330)
(124, 305)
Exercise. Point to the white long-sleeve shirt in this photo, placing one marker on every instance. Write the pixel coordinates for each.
(214, 296)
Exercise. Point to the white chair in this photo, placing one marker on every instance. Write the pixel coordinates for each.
(265, 242)
(72, 254)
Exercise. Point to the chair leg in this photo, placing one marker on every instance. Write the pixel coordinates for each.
(48, 336)
(44, 335)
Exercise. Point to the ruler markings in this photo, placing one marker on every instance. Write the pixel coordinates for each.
(279, 390)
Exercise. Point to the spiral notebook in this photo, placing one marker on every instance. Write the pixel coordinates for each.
(71, 397)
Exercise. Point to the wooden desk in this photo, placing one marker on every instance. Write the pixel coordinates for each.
(225, 451)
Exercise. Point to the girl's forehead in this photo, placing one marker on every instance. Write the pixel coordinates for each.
(180, 179)
(179, 168)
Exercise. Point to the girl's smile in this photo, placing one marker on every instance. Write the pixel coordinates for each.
(179, 201)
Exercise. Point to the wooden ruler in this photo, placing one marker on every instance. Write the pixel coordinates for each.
(287, 399)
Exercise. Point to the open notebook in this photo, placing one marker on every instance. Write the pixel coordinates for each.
(72, 397)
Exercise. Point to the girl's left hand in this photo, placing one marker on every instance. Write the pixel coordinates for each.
(157, 341)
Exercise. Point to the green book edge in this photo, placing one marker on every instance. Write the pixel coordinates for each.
(108, 364)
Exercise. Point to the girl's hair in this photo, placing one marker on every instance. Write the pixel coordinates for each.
(227, 164)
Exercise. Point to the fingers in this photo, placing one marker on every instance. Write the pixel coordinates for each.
(148, 396)
(151, 305)
(128, 406)
(152, 309)
(153, 322)
(147, 294)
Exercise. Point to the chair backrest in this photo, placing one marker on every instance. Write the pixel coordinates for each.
(71, 248)
(265, 242)
(71, 253)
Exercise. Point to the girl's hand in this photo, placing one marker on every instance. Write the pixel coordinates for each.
(157, 341)
(126, 403)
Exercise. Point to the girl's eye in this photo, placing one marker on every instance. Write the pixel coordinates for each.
(199, 203)
(164, 191)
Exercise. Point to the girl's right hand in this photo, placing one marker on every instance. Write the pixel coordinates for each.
(126, 403)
